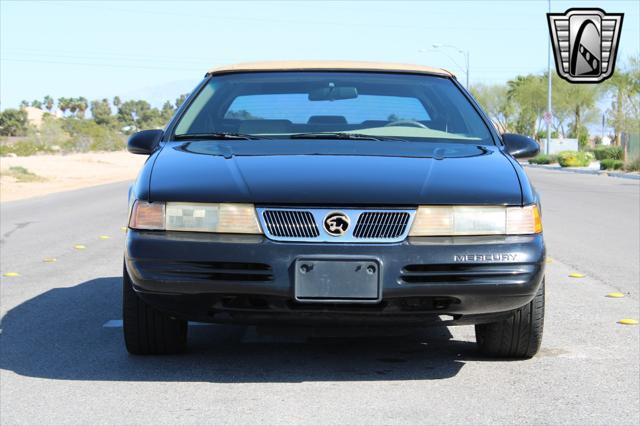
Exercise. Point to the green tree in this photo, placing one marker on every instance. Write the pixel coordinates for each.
(117, 101)
(64, 104)
(139, 115)
(81, 105)
(180, 100)
(101, 112)
(167, 112)
(48, 103)
(24, 104)
(36, 104)
(13, 122)
(624, 89)
(73, 105)
(495, 102)
(528, 94)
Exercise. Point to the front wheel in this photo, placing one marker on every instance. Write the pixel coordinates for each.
(518, 336)
(148, 331)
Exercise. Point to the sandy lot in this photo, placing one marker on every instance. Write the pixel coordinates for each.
(66, 172)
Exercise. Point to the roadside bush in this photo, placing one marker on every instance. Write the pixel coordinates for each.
(608, 153)
(611, 164)
(633, 166)
(574, 158)
(23, 175)
(86, 135)
(51, 134)
(543, 159)
(24, 148)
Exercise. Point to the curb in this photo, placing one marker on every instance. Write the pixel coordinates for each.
(635, 176)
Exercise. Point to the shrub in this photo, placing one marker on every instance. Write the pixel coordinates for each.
(574, 158)
(86, 135)
(608, 153)
(543, 159)
(611, 164)
(24, 148)
(23, 175)
(13, 122)
(633, 166)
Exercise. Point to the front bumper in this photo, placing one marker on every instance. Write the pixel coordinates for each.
(236, 278)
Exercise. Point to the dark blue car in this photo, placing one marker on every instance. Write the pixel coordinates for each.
(333, 193)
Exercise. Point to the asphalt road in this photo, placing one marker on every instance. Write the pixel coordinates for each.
(62, 359)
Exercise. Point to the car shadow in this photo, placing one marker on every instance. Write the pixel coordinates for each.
(61, 335)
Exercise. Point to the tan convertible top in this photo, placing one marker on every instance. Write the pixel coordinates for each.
(327, 65)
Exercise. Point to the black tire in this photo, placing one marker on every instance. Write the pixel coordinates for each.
(518, 336)
(148, 331)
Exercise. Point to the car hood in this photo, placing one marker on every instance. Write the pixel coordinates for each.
(333, 172)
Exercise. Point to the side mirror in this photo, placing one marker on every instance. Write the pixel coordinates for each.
(144, 142)
(520, 146)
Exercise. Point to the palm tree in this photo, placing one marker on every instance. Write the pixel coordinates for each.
(82, 104)
(73, 105)
(63, 104)
(24, 104)
(620, 85)
(48, 103)
(116, 101)
(36, 104)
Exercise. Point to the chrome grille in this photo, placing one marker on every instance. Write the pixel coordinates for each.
(290, 223)
(381, 225)
(308, 224)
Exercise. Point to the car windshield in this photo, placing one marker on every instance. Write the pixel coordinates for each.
(337, 105)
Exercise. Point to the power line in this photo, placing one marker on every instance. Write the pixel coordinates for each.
(101, 65)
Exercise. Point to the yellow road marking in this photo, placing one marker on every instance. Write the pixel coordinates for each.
(104, 237)
(576, 275)
(628, 321)
(49, 259)
(123, 228)
(79, 247)
(549, 260)
(615, 295)
(11, 274)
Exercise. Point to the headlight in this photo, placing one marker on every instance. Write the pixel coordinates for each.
(195, 217)
(476, 220)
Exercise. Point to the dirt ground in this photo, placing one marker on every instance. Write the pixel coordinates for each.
(46, 174)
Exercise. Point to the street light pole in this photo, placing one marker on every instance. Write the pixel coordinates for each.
(465, 53)
(550, 116)
(467, 56)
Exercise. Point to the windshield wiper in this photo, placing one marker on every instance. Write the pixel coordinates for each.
(216, 136)
(342, 135)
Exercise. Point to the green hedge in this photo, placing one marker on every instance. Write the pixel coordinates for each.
(543, 159)
(574, 158)
(608, 153)
(611, 164)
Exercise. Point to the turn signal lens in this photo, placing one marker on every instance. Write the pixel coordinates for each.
(146, 215)
(476, 220)
(524, 220)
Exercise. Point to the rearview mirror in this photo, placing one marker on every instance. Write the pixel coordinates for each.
(332, 93)
(144, 142)
(520, 146)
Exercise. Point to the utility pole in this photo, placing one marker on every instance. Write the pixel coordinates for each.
(550, 115)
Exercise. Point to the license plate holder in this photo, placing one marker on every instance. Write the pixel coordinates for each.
(337, 280)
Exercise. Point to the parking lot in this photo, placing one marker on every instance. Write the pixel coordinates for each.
(63, 360)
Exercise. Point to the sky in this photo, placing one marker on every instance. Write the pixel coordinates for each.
(159, 49)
